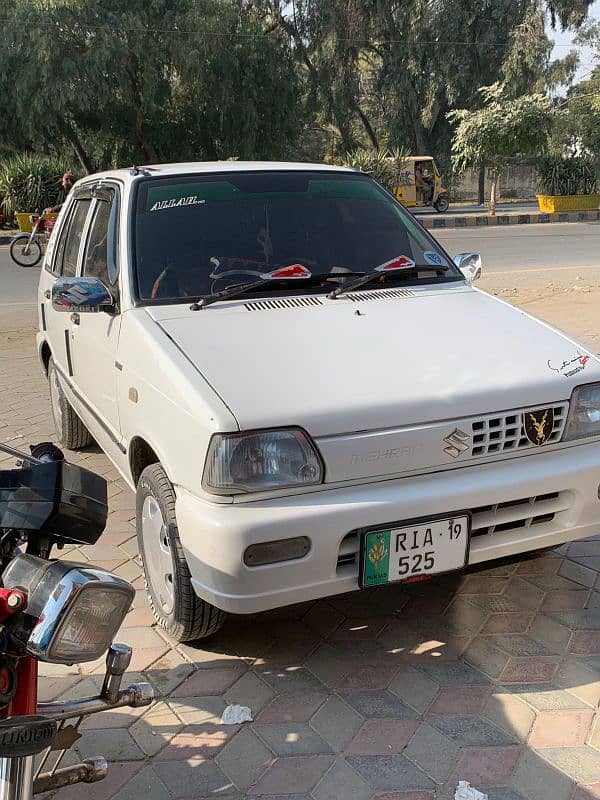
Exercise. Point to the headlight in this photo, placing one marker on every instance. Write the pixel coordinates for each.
(262, 460)
(78, 609)
(584, 413)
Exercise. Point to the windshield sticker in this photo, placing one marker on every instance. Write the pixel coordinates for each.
(175, 202)
(570, 366)
(400, 262)
(434, 258)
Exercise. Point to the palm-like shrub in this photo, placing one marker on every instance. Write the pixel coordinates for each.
(383, 165)
(29, 181)
(567, 176)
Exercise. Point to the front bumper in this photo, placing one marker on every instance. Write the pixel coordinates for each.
(519, 504)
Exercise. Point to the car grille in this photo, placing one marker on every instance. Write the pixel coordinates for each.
(513, 515)
(501, 433)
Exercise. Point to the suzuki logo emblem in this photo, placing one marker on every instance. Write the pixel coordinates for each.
(458, 441)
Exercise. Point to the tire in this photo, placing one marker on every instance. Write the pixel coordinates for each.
(441, 204)
(176, 607)
(70, 430)
(33, 256)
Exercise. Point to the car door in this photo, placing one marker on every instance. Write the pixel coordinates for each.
(94, 336)
(62, 258)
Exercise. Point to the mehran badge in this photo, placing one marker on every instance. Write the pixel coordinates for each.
(538, 425)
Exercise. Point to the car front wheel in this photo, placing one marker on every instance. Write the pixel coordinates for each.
(176, 607)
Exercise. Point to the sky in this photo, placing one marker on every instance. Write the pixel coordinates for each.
(564, 39)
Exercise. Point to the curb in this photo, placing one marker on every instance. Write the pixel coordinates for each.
(508, 219)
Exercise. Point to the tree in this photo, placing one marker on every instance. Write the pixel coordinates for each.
(501, 129)
(392, 70)
(141, 81)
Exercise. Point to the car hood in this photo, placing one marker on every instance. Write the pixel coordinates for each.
(345, 365)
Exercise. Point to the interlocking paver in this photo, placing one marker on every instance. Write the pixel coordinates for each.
(536, 779)
(471, 730)
(390, 772)
(419, 684)
(198, 741)
(428, 741)
(341, 782)
(580, 763)
(336, 722)
(244, 759)
(510, 714)
(250, 691)
(484, 654)
(453, 673)
(382, 704)
(382, 736)
(194, 778)
(488, 766)
(291, 739)
(293, 707)
(414, 688)
(561, 729)
(300, 774)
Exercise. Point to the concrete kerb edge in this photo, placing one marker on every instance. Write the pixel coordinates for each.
(486, 220)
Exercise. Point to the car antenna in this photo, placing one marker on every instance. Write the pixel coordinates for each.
(141, 170)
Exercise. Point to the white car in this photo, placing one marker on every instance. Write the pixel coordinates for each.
(306, 393)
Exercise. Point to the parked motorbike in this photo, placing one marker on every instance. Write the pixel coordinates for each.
(54, 611)
(27, 249)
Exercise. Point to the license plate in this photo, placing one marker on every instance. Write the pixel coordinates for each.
(414, 549)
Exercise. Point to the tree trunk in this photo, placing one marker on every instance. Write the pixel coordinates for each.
(481, 187)
(368, 127)
(494, 193)
(138, 114)
(70, 135)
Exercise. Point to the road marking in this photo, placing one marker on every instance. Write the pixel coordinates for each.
(527, 270)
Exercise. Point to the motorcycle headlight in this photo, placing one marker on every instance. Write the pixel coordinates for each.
(584, 413)
(261, 460)
(78, 609)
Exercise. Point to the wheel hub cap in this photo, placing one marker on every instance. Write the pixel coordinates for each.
(157, 552)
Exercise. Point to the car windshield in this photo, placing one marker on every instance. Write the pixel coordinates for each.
(198, 235)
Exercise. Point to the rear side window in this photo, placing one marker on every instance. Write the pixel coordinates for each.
(100, 259)
(73, 239)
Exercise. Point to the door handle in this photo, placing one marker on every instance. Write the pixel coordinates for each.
(47, 294)
(75, 318)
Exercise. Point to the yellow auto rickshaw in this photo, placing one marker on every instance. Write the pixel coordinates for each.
(420, 184)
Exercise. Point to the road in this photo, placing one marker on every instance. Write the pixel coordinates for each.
(515, 248)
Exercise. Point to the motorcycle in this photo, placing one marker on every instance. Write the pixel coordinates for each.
(53, 611)
(27, 249)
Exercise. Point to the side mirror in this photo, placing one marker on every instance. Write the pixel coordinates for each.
(470, 265)
(81, 295)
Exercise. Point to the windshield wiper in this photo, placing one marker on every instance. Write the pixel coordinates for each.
(290, 272)
(398, 264)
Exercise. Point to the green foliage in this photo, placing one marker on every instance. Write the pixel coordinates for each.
(383, 165)
(567, 176)
(141, 81)
(502, 129)
(29, 181)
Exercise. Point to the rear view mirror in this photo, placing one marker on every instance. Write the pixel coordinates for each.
(470, 265)
(81, 294)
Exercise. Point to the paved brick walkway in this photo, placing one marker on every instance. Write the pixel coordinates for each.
(395, 693)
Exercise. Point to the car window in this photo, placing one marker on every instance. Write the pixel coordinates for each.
(100, 259)
(59, 248)
(195, 236)
(73, 239)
